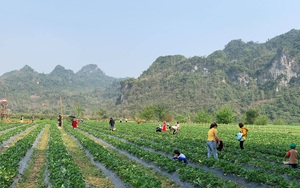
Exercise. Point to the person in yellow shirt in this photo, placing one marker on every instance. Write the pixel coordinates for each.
(244, 131)
(212, 137)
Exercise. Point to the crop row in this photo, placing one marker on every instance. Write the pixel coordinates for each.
(10, 158)
(63, 171)
(227, 166)
(193, 175)
(7, 135)
(8, 126)
(129, 171)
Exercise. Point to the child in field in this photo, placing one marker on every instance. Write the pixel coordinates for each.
(244, 131)
(180, 156)
(292, 154)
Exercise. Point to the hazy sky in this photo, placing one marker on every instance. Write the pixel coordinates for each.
(125, 37)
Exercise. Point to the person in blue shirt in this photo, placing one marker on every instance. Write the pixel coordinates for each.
(180, 156)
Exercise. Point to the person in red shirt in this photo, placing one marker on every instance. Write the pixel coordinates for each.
(164, 127)
(74, 123)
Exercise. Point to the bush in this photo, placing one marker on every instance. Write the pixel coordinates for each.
(262, 120)
(278, 122)
(203, 117)
(225, 115)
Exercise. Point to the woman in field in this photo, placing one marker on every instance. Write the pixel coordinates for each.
(164, 127)
(211, 144)
(244, 131)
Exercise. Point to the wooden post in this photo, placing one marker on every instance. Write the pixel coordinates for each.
(60, 106)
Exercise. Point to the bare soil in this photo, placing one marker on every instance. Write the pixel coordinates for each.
(92, 175)
(32, 176)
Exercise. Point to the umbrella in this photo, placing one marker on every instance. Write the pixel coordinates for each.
(72, 116)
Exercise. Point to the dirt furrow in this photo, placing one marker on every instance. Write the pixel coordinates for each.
(34, 175)
(92, 175)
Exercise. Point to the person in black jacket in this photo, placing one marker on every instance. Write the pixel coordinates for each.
(112, 124)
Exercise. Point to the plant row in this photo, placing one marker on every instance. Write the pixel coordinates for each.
(255, 175)
(7, 135)
(9, 160)
(129, 171)
(63, 171)
(8, 126)
(187, 173)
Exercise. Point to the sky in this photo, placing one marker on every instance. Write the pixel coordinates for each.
(125, 37)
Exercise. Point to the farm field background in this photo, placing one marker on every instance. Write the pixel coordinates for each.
(42, 155)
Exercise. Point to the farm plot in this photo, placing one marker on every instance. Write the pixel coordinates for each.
(42, 155)
(260, 164)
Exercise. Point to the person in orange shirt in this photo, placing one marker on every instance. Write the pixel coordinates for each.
(212, 137)
(244, 131)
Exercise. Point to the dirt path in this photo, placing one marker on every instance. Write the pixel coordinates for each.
(93, 177)
(34, 175)
(19, 137)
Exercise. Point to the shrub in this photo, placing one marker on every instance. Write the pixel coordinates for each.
(262, 120)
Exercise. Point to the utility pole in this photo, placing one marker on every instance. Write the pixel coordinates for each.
(60, 106)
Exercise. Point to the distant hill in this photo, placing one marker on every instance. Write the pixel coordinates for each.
(241, 76)
(32, 92)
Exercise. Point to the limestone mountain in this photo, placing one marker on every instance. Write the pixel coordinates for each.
(241, 76)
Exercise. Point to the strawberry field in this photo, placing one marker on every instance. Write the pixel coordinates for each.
(42, 155)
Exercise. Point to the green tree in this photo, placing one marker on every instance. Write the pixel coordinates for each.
(160, 112)
(225, 115)
(78, 110)
(262, 120)
(203, 117)
(147, 113)
(251, 115)
(101, 113)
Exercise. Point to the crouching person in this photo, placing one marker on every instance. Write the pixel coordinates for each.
(180, 157)
(292, 154)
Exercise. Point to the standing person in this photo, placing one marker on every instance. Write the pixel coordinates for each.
(74, 123)
(292, 154)
(32, 119)
(126, 120)
(211, 144)
(21, 119)
(112, 124)
(180, 156)
(244, 131)
(59, 121)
